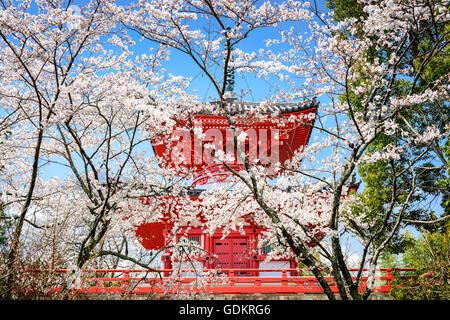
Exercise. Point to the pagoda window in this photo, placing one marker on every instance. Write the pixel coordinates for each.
(268, 248)
(189, 243)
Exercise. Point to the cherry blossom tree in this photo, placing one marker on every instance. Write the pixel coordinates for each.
(80, 112)
(75, 97)
(363, 104)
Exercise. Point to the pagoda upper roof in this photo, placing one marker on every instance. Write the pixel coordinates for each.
(285, 128)
(235, 106)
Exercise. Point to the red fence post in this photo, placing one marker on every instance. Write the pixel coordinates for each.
(389, 278)
(232, 279)
(126, 278)
(284, 282)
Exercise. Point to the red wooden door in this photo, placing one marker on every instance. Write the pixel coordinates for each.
(223, 250)
(232, 253)
(240, 259)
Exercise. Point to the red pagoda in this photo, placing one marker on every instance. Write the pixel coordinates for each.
(269, 136)
(278, 135)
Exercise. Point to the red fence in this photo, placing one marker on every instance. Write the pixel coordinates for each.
(227, 281)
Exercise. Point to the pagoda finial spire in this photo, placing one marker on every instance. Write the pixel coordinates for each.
(229, 79)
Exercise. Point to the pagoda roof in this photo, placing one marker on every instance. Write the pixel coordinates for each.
(352, 183)
(235, 106)
(294, 119)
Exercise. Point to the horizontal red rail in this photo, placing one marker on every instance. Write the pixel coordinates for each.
(224, 281)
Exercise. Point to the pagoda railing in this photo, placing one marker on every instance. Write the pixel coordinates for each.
(225, 281)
